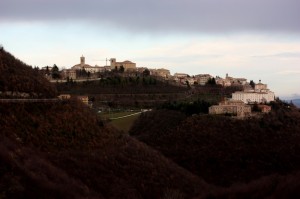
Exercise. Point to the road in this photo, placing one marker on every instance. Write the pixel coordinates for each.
(28, 100)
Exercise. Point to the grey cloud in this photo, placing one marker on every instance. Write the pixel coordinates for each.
(163, 15)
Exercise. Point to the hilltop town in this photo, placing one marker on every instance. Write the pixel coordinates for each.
(248, 98)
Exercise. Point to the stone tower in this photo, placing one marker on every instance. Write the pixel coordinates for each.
(112, 63)
(82, 60)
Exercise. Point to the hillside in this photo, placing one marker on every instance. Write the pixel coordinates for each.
(222, 150)
(19, 80)
(48, 145)
(60, 149)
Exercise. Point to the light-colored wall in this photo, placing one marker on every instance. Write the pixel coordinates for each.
(252, 97)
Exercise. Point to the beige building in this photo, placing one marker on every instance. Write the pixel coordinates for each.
(82, 64)
(202, 79)
(128, 65)
(86, 67)
(261, 87)
(233, 107)
(161, 72)
(69, 73)
(223, 82)
(231, 81)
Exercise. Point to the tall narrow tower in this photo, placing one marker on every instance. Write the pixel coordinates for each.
(82, 60)
(112, 63)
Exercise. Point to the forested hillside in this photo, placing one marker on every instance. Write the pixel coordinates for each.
(18, 78)
(45, 146)
(61, 149)
(226, 151)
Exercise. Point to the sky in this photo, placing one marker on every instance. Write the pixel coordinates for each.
(257, 39)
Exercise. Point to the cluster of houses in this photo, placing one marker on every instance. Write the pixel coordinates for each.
(239, 105)
(130, 69)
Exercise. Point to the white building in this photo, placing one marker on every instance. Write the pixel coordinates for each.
(260, 94)
(92, 69)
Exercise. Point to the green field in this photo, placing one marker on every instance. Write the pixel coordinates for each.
(122, 124)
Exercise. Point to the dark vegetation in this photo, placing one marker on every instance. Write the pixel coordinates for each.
(17, 77)
(189, 108)
(117, 91)
(225, 151)
(117, 84)
(62, 150)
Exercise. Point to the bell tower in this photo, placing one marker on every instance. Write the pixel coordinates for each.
(82, 60)
(112, 63)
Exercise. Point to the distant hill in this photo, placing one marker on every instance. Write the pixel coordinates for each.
(18, 79)
(296, 102)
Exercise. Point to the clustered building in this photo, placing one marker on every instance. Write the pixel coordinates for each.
(128, 67)
(230, 81)
(240, 104)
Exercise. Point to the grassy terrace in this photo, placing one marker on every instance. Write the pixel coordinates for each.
(121, 120)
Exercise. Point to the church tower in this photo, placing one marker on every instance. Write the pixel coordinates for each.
(112, 63)
(82, 60)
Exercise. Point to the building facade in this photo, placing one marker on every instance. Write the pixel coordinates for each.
(69, 73)
(202, 79)
(232, 107)
(161, 72)
(260, 94)
(128, 65)
(254, 97)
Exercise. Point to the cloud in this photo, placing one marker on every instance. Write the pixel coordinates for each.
(289, 72)
(280, 55)
(162, 15)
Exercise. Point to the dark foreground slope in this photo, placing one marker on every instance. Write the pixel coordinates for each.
(225, 151)
(62, 150)
(17, 77)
